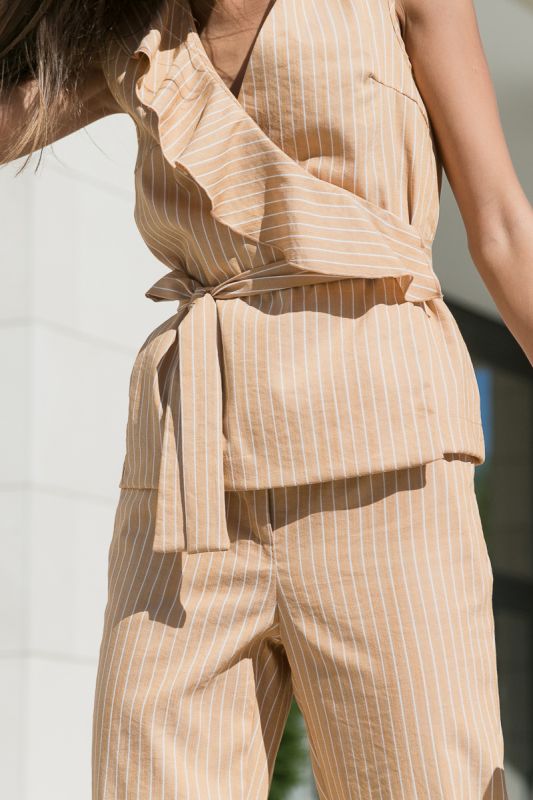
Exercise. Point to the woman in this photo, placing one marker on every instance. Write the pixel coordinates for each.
(297, 511)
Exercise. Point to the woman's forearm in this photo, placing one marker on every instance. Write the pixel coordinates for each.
(14, 106)
(18, 105)
(444, 44)
(502, 250)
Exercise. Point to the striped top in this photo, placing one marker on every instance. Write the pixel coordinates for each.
(295, 220)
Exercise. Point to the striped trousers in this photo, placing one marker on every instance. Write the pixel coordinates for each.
(368, 599)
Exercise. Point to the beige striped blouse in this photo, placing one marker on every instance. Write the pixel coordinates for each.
(295, 220)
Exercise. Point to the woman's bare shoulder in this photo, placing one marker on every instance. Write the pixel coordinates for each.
(93, 100)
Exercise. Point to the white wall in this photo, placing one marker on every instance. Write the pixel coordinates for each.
(72, 316)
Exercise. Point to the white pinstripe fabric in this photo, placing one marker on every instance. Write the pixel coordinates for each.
(324, 163)
(367, 597)
(345, 562)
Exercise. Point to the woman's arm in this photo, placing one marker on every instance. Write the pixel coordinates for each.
(444, 45)
(96, 101)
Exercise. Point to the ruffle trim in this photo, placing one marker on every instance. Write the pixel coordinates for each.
(254, 187)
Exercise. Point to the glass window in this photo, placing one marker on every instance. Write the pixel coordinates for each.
(504, 488)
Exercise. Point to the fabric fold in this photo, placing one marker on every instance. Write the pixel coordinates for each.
(317, 232)
(255, 188)
(191, 512)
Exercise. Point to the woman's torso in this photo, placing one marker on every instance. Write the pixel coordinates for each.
(328, 132)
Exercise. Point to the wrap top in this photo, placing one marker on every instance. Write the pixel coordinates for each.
(311, 340)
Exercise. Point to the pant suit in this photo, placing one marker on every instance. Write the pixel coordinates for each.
(297, 512)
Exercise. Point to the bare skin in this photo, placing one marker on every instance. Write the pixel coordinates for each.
(97, 102)
(228, 33)
(443, 42)
(450, 68)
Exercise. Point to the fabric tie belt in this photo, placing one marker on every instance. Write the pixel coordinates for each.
(191, 513)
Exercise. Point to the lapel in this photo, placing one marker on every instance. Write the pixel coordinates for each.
(266, 32)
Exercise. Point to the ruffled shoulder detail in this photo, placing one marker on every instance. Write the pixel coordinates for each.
(254, 187)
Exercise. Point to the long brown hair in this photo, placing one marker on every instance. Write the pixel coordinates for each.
(52, 43)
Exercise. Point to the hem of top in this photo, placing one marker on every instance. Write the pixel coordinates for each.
(468, 440)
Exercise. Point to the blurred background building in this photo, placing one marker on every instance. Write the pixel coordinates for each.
(72, 317)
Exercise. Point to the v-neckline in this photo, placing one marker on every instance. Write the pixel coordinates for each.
(194, 37)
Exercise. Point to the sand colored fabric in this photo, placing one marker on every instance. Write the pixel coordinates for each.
(367, 598)
(297, 514)
(312, 340)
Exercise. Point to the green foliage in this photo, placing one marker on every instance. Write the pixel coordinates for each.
(292, 756)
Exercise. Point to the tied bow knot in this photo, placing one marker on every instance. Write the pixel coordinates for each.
(199, 291)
